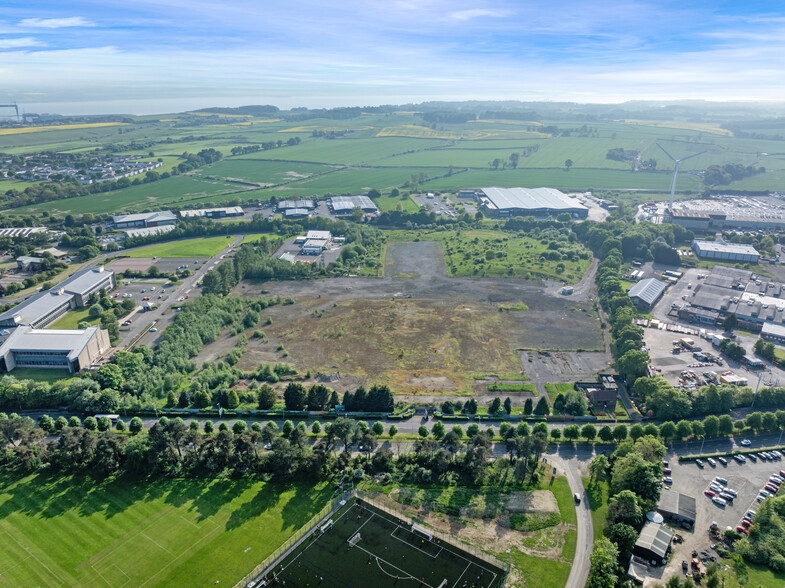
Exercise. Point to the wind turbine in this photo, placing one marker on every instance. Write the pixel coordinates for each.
(676, 170)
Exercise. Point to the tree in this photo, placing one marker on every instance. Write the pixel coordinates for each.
(636, 431)
(378, 428)
(472, 430)
(571, 432)
(288, 427)
(239, 427)
(624, 508)
(620, 432)
(422, 431)
(604, 560)
(392, 431)
(495, 406)
(294, 396)
(135, 426)
(726, 425)
(438, 430)
(589, 432)
(232, 400)
(209, 427)
(568, 164)
(555, 434)
(605, 434)
(624, 536)
(104, 424)
(575, 403)
(110, 376)
(47, 423)
(730, 322)
(667, 430)
(542, 407)
(711, 426)
(316, 428)
(633, 364)
(171, 399)
(527, 406)
(266, 397)
(683, 429)
(598, 468)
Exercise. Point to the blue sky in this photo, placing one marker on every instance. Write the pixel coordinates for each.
(164, 55)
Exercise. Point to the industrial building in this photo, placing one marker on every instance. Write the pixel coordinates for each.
(654, 543)
(44, 308)
(144, 219)
(295, 213)
(284, 205)
(646, 293)
(753, 299)
(147, 231)
(677, 508)
(529, 202)
(73, 350)
(343, 205)
(744, 213)
(725, 251)
(773, 332)
(212, 212)
(315, 242)
(21, 231)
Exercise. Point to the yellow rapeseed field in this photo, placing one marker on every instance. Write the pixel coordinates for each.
(21, 130)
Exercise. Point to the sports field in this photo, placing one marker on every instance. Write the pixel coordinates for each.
(365, 546)
(74, 531)
(188, 248)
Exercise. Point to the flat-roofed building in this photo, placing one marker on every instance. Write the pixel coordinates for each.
(529, 202)
(144, 219)
(323, 235)
(147, 231)
(314, 246)
(725, 251)
(73, 350)
(27, 263)
(44, 308)
(773, 332)
(295, 213)
(283, 205)
(343, 205)
(213, 212)
(646, 293)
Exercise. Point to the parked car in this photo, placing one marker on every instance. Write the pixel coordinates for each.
(709, 493)
(753, 457)
(731, 492)
(722, 481)
(719, 501)
(751, 512)
(745, 442)
(699, 463)
(712, 463)
(667, 471)
(741, 529)
(577, 498)
(746, 524)
(740, 458)
(667, 480)
(153, 330)
(722, 460)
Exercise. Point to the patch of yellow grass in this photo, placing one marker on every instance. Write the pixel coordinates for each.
(22, 130)
(686, 126)
(417, 132)
(318, 128)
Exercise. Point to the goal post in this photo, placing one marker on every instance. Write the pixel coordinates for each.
(354, 539)
(420, 532)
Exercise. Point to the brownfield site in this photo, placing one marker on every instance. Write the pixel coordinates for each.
(416, 329)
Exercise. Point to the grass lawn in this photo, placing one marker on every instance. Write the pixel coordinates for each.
(78, 532)
(41, 375)
(187, 248)
(72, 319)
(598, 502)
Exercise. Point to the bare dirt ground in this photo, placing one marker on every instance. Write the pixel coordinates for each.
(415, 329)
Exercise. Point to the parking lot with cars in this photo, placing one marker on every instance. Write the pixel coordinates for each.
(725, 492)
(440, 204)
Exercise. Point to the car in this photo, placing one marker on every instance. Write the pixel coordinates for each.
(722, 460)
(770, 488)
(719, 501)
(715, 488)
(760, 498)
(726, 496)
(152, 289)
(753, 457)
(782, 473)
(665, 464)
(776, 478)
(577, 498)
(741, 529)
(153, 330)
(740, 458)
(751, 512)
(712, 463)
(699, 463)
(765, 493)
(747, 518)
(187, 297)
(722, 481)
(667, 480)
(746, 524)
(709, 493)
(117, 294)
(144, 290)
(667, 471)
(181, 299)
(745, 442)
(731, 492)
(763, 456)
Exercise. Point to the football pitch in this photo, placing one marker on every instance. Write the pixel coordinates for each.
(364, 546)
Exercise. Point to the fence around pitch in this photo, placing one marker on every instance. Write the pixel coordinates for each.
(292, 541)
(443, 537)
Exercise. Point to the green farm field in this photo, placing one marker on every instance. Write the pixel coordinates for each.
(68, 531)
(187, 248)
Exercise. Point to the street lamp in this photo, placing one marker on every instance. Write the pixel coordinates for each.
(755, 394)
(248, 562)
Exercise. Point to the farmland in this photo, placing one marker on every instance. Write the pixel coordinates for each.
(78, 532)
(385, 151)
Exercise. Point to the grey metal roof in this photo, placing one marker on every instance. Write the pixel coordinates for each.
(675, 504)
(150, 217)
(346, 203)
(29, 339)
(35, 307)
(85, 280)
(296, 212)
(717, 247)
(773, 329)
(287, 204)
(647, 290)
(655, 538)
(205, 211)
(534, 199)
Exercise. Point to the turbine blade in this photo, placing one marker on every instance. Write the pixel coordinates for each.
(666, 153)
(693, 155)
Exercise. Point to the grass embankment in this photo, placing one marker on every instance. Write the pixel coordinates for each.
(554, 390)
(78, 532)
(187, 248)
(41, 374)
(72, 319)
(598, 493)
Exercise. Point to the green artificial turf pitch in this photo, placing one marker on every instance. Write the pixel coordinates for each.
(388, 553)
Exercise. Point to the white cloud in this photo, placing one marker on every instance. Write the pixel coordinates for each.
(477, 13)
(56, 23)
(20, 42)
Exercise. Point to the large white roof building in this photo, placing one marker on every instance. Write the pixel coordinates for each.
(530, 201)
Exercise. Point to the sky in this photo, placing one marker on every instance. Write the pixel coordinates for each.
(153, 56)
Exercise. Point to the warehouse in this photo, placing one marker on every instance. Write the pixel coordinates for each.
(654, 543)
(529, 202)
(292, 204)
(147, 231)
(295, 213)
(73, 350)
(343, 205)
(212, 212)
(646, 293)
(677, 508)
(144, 219)
(44, 308)
(773, 332)
(745, 213)
(725, 251)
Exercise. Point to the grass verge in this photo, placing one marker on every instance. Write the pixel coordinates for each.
(598, 493)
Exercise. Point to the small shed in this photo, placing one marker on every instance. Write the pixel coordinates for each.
(677, 508)
(654, 543)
